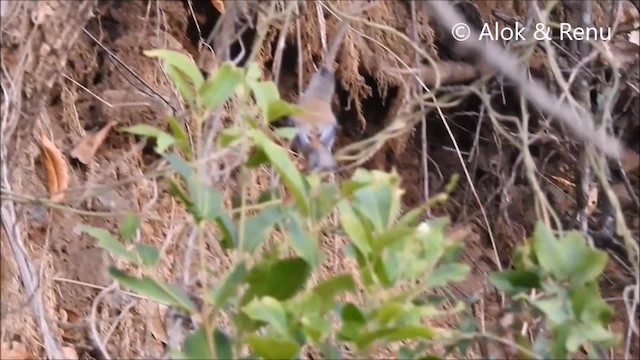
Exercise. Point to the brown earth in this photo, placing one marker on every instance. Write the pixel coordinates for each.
(91, 88)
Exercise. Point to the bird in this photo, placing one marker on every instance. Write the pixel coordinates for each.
(317, 125)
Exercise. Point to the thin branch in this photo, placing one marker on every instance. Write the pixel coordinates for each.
(425, 155)
(506, 64)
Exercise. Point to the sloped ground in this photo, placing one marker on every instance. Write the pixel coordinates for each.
(107, 78)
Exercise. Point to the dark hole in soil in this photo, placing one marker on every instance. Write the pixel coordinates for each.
(207, 16)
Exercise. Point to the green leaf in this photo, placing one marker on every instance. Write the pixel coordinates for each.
(554, 309)
(542, 347)
(315, 327)
(279, 108)
(324, 295)
(330, 352)
(325, 198)
(430, 357)
(268, 195)
(580, 334)
(302, 242)
(513, 282)
(220, 86)
(256, 158)
(269, 310)
(180, 80)
(258, 227)
(391, 236)
(163, 142)
(208, 201)
(182, 139)
(271, 347)
(355, 229)
(109, 243)
(204, 202)
(285, 167)
(148, 254)
(549, 251)
(253, 72)
(351, 314)
(222, 344)
(181, 61)
(178, 192)
(228, 136)
(181, 166)
(559, 339)
(229, 238)
(265, 92)
(375, 202)
(446, 273)
(163, 139)
(144, 130)
(219, 295)
(268, 100)
(176, 354)
(361, 178)
(155, 290)
(389, 311)
(353, 322)
(128, 226)
(396, 334)
(180, 296)
(196, 346)
(266, 278)
(382, 270)
(410, 218)
(584, 264)
(331, 287)
(286, 132)
(588, 306)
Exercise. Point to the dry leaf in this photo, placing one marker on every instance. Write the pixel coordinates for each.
(87, 147)
(219, 5)
(56, 168)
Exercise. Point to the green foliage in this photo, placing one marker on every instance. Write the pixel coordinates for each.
(565, 271)
(281, 161)
(109, 243)
(155, 289)
(182, 70)
(220, 86)
(180, 135)
(129, 226)
(202, 201)
(268, 294)
(163, 139)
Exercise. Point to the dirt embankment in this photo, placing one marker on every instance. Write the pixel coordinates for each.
(101, 75)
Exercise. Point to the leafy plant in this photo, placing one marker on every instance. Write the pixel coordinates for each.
(274, 307)
(564, 273)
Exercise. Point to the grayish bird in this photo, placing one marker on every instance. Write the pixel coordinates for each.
(317, 125)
